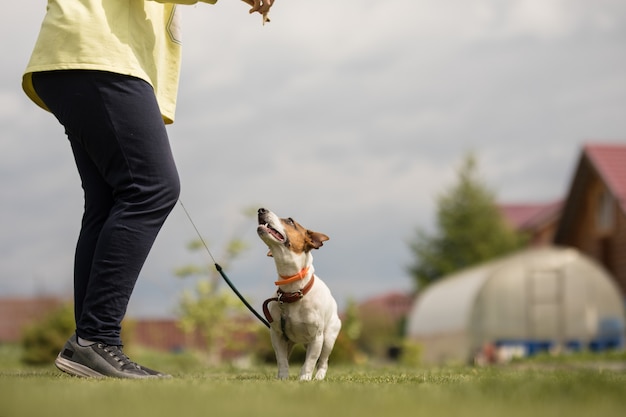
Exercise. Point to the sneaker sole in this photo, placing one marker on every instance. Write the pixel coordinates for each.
(82, 371)
(76, 369)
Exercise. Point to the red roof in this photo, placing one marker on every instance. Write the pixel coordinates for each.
(394, 304)
(610, 162)
(529, 216)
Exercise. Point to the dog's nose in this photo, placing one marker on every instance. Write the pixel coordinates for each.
(262, 210)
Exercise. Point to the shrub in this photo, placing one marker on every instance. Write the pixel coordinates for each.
(411, 353)
(42, 341)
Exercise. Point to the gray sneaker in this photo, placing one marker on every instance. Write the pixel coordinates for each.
(99, 360)
(154, 373)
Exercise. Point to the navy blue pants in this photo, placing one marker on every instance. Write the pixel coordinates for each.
(130, 184)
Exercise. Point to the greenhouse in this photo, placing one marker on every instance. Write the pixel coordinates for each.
(539, 299)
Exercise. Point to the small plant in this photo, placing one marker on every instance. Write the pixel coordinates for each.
(411, 353)
(42, 341)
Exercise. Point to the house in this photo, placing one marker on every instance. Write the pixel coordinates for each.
(593, 217)
(167, 335)
(164, 335)
(18, 313)
(538, 221)
(394, 306)
(570, 286)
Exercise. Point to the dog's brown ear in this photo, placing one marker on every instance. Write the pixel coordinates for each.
(315, 240)
(269, 253)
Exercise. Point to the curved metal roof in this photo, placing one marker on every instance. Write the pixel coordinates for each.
(447, 305)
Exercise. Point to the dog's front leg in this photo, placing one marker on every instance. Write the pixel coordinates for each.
(313, 351)
(282, 349)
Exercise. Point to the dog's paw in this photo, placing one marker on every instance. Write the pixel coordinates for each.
(320, 374)
(306, 377)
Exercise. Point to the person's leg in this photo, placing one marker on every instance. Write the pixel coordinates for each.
(98, 204)
(114, 122)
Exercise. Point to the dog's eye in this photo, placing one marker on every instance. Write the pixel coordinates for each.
(290, 221)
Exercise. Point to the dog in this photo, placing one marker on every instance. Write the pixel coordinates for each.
(303, 311)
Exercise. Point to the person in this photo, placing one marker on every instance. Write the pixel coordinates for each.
(108, 71)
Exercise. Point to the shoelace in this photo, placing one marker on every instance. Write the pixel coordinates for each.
(116, 353)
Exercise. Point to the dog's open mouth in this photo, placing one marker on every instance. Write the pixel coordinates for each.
(270, 230)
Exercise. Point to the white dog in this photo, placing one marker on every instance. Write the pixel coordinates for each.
(303, 311)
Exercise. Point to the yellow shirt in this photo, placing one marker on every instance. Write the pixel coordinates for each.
(140, 38)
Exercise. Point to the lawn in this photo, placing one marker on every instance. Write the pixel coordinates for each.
(538, 388)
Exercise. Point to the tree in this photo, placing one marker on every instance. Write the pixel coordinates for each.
(470, 230)
(217, 315)
(209, 309)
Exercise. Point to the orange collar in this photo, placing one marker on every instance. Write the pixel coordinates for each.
(286, 297)
(297, 277)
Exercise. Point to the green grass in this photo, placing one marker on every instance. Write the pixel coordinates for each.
(525, 389)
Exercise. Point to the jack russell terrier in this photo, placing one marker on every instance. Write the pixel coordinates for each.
(303, 311)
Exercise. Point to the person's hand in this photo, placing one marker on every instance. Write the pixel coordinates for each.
(261, 6)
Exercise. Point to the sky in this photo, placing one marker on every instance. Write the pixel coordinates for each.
(350, 116)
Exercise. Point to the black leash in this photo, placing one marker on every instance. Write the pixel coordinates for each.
(221, 271)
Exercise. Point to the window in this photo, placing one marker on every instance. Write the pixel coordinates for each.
(605, 212)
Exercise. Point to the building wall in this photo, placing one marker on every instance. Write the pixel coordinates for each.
(164, 335)
(18, 313)
(619, 252)
(600, 231)
(543, 235)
